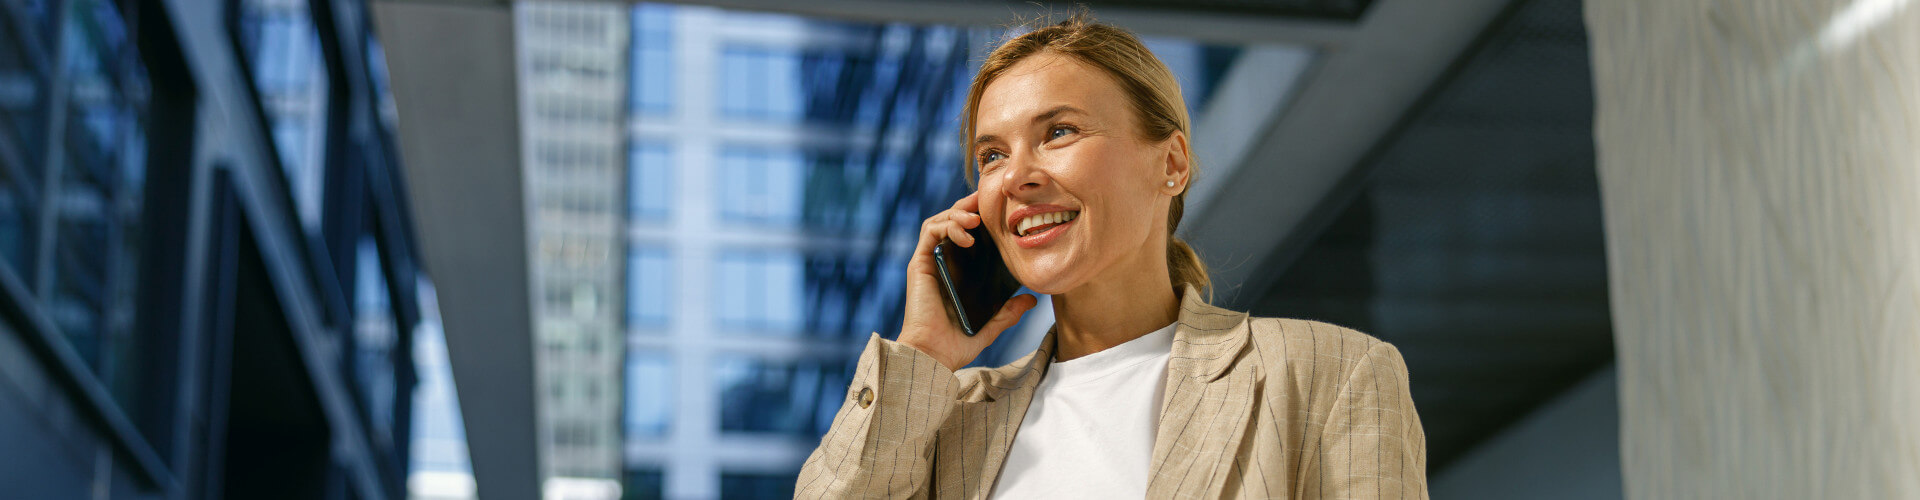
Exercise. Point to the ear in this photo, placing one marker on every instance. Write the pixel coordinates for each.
(1178, 164)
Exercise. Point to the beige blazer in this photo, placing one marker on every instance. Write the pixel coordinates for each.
(1254, 408)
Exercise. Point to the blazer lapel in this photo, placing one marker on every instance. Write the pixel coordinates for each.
(1203, 416)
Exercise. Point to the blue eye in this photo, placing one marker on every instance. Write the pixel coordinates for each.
(1060, 131)
(990, 157)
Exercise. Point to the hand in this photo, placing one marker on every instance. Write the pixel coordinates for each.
(927, 326)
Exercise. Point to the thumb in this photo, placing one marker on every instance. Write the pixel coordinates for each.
(1009, 314)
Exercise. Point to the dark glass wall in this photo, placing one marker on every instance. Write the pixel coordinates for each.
(195, 307)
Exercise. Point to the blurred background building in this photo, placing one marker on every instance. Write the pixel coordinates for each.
(715, 201)
(210, 286)
(659, 233)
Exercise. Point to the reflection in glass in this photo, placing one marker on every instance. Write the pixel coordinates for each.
(282, 49)
(649, 395)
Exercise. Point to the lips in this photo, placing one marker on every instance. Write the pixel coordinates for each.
(1036, 225)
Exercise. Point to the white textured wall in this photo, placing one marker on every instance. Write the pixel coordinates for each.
(1760, 168)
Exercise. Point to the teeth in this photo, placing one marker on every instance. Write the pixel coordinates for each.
(1043, 219)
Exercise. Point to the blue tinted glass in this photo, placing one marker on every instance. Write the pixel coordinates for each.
(761, 292)
(97, 201)
(650, 286)
(282, 49)
(24, 61)
(650, 90)
(745, 486)
(374, 338)
(649, 398)
(644, 484)
(760, 84)
(649, 180)
(762, 186)
(780, 396)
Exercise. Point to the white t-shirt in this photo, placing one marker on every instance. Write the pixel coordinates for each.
(1089, 431)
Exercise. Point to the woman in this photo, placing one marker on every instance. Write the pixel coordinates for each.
(1141, 389)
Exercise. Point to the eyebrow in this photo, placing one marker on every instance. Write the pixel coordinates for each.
(1049, 114)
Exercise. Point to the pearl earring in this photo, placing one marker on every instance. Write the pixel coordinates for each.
(1169, 183)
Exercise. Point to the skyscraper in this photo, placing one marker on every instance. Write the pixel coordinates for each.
(573, 87)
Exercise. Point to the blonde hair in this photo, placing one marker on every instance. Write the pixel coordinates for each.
(1149, 86)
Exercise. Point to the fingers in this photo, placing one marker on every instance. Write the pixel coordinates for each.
(1009, 314)
(964, 218)
(959, 234)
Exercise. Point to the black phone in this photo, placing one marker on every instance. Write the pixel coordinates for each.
(975, 278)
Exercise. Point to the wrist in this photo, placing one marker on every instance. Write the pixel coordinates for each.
(910, 342)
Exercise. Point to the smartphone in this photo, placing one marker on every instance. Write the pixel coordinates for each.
(975, 278)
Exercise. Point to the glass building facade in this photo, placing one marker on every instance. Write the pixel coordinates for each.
(772, 172)
(207, 281)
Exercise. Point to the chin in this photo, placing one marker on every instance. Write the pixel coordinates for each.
(1047, 281)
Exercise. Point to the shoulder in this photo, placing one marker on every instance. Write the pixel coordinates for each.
(1318, 353)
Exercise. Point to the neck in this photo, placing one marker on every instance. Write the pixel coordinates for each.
(1109, 312)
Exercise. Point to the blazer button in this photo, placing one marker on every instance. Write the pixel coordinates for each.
(866, 397)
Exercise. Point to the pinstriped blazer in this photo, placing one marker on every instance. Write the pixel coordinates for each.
(1254, 408)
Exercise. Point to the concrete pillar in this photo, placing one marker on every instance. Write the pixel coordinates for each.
(1760, 170)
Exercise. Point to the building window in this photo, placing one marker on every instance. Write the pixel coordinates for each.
(790, 397)
(741, 485)
(760, 84)
(375, 336)
(97, 203)
(649, 180)
(760, 292)
(650, 288)
(761, 186)
(647, 483)
(650, 91)
(282, 49)
(649, 398)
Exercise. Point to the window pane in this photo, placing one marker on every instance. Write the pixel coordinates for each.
(762, 187)
(23, 93)
(761, 292)
(651, 88)
(649, 395)
(790, 397)
(650, 181)
(282, 49)
(735, 485)
(374, 338)
(644, 484)
(98, 202)
(760, 84)
(650, 281)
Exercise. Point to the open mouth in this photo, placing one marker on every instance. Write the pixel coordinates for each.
(1040, 223)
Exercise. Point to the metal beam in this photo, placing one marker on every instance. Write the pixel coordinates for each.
(1248, 224)
(452, 68)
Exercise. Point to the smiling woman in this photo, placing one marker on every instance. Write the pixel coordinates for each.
(1081, 158)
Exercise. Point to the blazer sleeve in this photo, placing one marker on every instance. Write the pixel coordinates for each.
(881, 442)
(1375, 447)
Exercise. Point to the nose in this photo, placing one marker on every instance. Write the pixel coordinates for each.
(1021, 174)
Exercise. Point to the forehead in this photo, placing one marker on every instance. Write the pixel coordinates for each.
(1042, 82)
